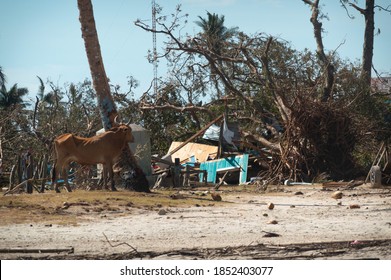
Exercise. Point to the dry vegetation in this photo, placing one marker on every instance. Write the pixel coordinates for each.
(70, 208)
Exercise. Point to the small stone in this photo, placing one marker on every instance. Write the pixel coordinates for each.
(272, 222)
(265, 215)
(298, 193)
(216, 197)
(270, 206)
(271, 234)
(177, 196)
(337, 195)
(354, 206)
(162, 212)
(65, 205)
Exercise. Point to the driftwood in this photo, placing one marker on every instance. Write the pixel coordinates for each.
(70, 250)
(221, 181)
(299, 251)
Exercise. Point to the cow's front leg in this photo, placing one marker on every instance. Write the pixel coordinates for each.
(111, 175)
(55, 173)
(103, 184)
(56, 188)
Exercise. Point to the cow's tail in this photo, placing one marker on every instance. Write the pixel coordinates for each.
(53, 171)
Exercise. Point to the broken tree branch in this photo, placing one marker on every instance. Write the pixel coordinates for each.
(120, 244)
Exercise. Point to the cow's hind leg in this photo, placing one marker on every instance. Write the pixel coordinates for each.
(55, 174)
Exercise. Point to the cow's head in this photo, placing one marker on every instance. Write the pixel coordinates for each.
(128, 133)
(124, 128)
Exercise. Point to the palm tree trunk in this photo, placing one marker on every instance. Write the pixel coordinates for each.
(106, 104)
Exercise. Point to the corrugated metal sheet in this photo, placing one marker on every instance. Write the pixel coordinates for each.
(213, 132)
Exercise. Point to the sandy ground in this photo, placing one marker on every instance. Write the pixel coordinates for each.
(302, 214)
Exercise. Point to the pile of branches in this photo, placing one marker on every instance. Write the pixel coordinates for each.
(319, 139)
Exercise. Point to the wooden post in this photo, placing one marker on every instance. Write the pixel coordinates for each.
(220, 149)
(1, 149)
(19, 171)
(44, 173)
(30, 173)
(186, 181)
(12, 177)
(176, 173)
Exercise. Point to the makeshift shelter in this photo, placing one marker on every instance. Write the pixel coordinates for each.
(207, 163)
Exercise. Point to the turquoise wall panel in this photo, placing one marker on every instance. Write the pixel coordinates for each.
(214, 166)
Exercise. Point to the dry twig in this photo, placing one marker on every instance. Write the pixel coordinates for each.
(120, 244)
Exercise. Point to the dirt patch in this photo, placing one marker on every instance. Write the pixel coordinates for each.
(306, 222)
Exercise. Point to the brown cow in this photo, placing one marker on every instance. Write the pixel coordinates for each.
(104, 148)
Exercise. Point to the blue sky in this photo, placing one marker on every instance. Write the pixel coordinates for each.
(43, 37)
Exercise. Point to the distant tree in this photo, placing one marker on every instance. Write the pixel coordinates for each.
(46, 98)
(13, 119)
(369, 15)
(325, 61)
(215, 34)
(2, 82)
(2, 77)
(12, 98)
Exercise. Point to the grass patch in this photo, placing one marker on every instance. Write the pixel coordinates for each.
(71, 208)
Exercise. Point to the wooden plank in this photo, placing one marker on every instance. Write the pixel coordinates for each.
(195, 135)
(200, 152)
(162, 161)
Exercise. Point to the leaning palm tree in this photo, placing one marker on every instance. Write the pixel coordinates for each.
(215, 35)
(106, 103)
(45, 98)
(101, 85)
